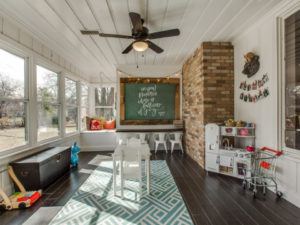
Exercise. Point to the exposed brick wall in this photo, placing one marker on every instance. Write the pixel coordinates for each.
(208, 85)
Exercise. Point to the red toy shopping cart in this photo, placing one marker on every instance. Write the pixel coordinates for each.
(263, 172)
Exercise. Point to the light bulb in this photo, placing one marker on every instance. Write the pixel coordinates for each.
(140, 46)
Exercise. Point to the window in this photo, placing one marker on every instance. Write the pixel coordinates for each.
(13, 101)
(71, 106)
(105, 102)
(292, 81)
(84, 105)
(48, 104)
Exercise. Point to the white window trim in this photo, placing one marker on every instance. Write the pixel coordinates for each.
(80, 104)
(33, 59)
(281, 81)
(65, 106)
(115, 98)
(54, 69)
(26, 98)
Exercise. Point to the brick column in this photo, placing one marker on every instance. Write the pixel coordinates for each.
(208, 85)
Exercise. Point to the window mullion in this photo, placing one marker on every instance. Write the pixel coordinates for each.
(33, 109)
(79, 103)
(62, 107)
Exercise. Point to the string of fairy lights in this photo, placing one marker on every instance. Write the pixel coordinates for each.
(149, 79)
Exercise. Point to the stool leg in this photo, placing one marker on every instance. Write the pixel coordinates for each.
(114, 175)
(141, 186)
(172, 147)
(122, 179)
(165, 146)
(180, 144)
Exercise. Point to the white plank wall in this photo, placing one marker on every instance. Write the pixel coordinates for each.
(13, 34)
(59, 23)
(261, 39)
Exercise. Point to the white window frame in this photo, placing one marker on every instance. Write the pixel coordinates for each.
(115, 98)
(80, 103)
(65, 106)
(59, 104)
(25, 100)
(34, 59)
(281, 81)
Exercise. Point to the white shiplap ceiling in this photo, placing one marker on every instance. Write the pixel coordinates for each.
(57, 23)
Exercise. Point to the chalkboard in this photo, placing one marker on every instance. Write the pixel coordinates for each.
(152, 101)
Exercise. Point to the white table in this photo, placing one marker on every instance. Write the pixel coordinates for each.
(145, 155)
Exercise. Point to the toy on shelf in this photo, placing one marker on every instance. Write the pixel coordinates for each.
(230, 123)
(244, 132)
(250, 148)
(240, 123)
(74, 155)
(19, 200)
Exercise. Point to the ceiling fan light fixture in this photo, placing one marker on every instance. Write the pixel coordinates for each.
(140, 46)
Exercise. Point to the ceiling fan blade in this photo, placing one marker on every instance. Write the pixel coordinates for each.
(166, 33)
(136, 21)
(154, 47)
(89, 32)
(95, 32)
(128, 49)
(115, 35)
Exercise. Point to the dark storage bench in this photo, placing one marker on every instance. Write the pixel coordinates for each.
(39, 170)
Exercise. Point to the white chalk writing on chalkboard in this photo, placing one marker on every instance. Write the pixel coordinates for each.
(149, 105)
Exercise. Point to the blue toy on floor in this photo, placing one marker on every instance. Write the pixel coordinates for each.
(74, 155)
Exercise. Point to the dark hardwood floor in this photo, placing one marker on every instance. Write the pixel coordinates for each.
(210, 198)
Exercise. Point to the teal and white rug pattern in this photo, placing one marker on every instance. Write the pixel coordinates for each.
(94, 202)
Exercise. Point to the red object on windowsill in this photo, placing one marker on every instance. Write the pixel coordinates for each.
(109, 125)
(96, 125)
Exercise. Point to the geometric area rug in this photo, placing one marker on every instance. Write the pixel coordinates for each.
(94, 203)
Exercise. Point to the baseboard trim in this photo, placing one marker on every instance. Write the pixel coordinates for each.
(98, 148)
(290, 196)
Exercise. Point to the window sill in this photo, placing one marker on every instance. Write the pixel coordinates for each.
(98, 131)
(23, 149)
(71, 134)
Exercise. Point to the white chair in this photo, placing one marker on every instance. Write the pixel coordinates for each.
(133, 142)
(131, 164)
(142, 138)
(159, 139)
(177, 140)
(122, 138)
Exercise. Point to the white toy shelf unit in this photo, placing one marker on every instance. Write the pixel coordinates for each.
(225, 149)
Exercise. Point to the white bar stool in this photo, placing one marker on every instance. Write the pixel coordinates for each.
(160, 139)
(177, 140)
(122, 138)
(142, 138)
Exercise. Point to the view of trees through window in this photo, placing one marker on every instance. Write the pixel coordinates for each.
(48, 105)
(71, 105)
(105, 102)
(12, 101)
(84, 105)
(15, 107)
